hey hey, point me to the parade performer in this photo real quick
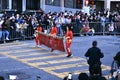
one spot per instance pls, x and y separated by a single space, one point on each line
69 36
53 33
39 29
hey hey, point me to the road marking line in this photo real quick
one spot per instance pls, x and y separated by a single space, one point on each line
17 52
41 58
65 60
65 66
10 46
55 62
16 69
38 64
32 54
3 57
23 51
106 67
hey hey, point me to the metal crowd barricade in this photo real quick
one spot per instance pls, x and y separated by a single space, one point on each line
20 34
106 28
100 28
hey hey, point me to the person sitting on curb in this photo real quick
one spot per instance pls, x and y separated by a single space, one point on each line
87 31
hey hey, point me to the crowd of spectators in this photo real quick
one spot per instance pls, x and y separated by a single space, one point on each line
17 25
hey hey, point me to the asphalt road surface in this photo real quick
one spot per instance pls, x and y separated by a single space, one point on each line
23 59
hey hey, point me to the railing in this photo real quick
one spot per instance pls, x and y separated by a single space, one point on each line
99 29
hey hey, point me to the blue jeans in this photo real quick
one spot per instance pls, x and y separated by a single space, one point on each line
5 34
60 31
0 34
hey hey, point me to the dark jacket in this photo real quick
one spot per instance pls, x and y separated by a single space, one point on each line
94 55
117 58
4 26
97 78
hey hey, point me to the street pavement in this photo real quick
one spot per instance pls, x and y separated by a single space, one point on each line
23 59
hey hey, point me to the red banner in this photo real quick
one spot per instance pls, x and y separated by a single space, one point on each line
55 43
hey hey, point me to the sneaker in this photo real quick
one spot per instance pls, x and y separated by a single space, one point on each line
34 35
4 41
69 55
39 46
7 38
36 46
52 50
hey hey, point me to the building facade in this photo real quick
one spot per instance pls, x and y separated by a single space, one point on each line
57 5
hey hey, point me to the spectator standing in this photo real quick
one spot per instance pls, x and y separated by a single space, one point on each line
69 36
5 31
58 23
0 32
94 54
13 29
102 21
1 22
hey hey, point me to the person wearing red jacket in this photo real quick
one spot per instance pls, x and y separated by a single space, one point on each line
53 33
69 36
39 29
54 30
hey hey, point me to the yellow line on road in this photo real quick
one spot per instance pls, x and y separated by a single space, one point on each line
18 52
50 69
56 62
13 43
105 67
77 72
41 58
87 71
38 64
10 46
66 66
32 54
65 60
